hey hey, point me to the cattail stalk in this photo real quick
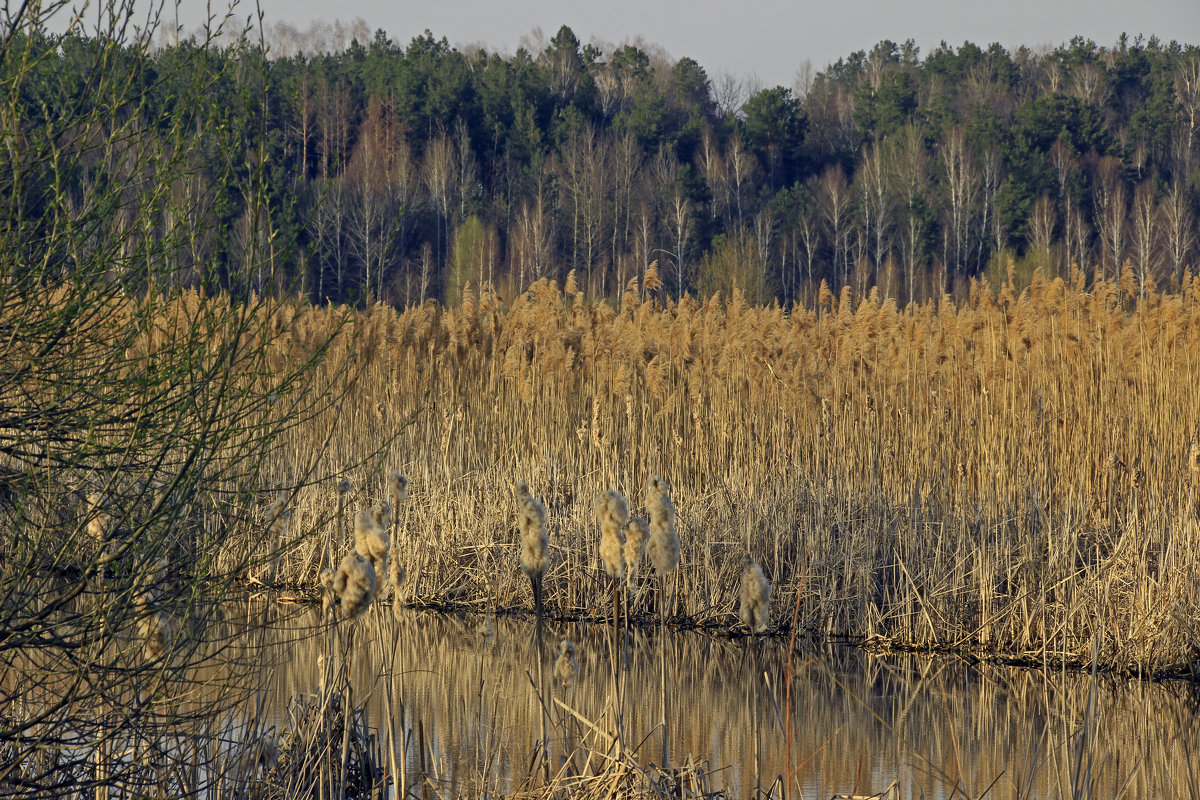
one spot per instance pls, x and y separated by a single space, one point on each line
535 556
613 513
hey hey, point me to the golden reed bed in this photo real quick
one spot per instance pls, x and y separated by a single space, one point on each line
1016 474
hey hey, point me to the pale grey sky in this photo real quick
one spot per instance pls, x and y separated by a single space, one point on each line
768 39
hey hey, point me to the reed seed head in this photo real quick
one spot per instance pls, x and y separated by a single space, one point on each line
566 668
531 522
612 512
664 542
756 598
637 534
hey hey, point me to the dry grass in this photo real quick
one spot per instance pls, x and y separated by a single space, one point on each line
1011 474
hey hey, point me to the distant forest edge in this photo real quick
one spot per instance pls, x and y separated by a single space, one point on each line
370 169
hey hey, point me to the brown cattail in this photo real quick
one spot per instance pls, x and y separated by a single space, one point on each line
566 668
354 584
531 522
637 533
664 542
612 512
370 540
756 597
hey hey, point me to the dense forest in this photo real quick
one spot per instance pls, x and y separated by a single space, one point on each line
355 167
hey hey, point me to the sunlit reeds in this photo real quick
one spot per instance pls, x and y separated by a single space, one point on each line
937 474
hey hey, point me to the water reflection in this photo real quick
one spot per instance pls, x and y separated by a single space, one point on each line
858 722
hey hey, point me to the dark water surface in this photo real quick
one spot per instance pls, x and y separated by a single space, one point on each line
858 722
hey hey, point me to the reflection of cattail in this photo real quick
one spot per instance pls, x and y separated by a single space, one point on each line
531 521
566 668
756 598
637 532
664 542
354 584
613 513
370 540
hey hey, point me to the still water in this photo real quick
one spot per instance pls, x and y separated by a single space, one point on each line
935 726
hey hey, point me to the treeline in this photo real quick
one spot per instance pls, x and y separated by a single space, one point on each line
404 172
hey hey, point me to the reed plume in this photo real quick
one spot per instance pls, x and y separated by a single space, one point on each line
664 542
756 597
637 534
612 512
566 667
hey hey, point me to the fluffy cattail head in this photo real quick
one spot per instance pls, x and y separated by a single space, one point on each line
664 542
531 522
157 631
566 668
278 515
756 597
397 488
381 512
612 512
343 487
370 539
98 519
354 584
637 533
